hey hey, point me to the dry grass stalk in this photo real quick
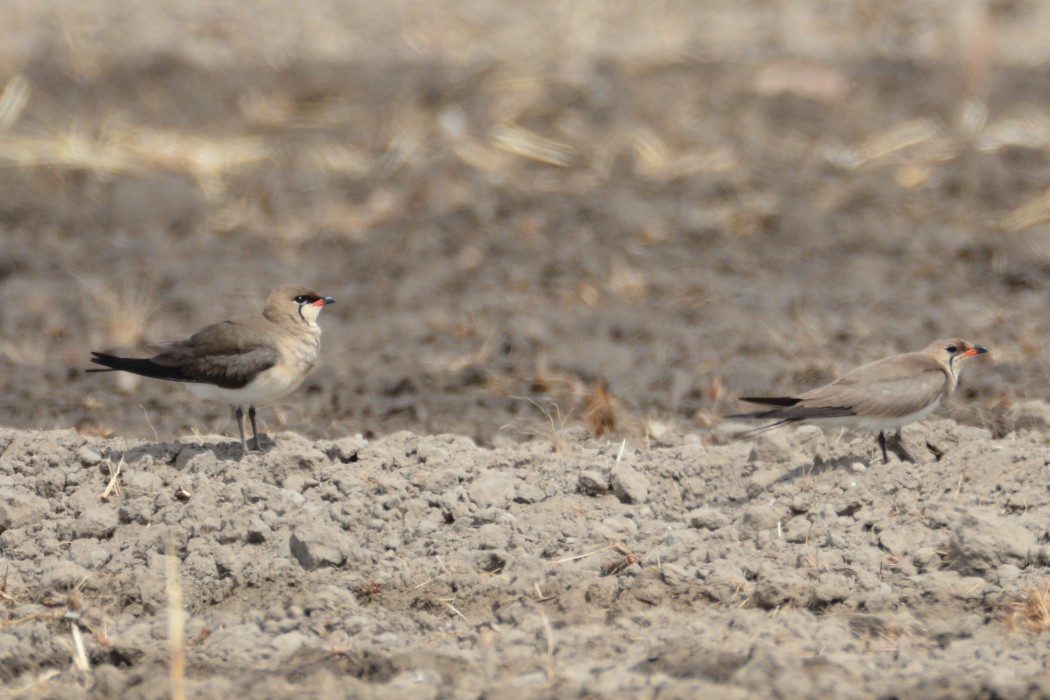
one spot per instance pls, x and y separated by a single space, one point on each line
522 142
80 659
113 487
480 157
487 647
1029 129
1033 612
43 615
917 140
96 429
1032 212
555 424
549 633
369 590
4 595
176 627
901 137
39 686
616 566
655 160
13 100
577 557
145 414
541 597
600 415
452 608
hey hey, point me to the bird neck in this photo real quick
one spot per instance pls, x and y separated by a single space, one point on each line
953 372
295 321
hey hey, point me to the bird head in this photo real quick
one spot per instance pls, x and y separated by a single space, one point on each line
301 303
950 352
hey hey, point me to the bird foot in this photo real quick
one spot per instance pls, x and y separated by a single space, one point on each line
895 444
253 445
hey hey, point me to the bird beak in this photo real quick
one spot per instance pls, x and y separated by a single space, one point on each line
323 301
975 350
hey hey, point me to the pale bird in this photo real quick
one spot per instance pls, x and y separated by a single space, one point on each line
882 395
249 360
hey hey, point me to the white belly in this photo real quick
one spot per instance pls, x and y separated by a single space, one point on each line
270 386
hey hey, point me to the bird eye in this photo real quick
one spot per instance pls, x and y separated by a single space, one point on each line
302 299
952 349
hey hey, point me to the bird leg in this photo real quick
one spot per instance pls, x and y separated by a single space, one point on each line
897 445
238 413
255 431
900 449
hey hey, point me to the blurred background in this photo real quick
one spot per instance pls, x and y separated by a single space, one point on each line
534 216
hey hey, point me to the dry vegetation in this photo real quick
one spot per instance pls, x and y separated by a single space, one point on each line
1032 613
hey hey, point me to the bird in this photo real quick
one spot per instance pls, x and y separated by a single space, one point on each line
248 360
882 395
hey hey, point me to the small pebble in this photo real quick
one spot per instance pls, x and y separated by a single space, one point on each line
89 455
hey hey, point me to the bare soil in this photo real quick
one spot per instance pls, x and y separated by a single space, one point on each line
563 238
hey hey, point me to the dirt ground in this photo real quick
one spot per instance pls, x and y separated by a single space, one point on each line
563 238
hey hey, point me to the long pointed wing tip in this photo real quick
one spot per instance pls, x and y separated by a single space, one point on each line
771 400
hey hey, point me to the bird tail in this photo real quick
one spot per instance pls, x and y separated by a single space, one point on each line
144 367
781 402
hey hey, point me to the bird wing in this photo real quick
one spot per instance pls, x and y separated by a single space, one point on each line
892 388
228 354
771 400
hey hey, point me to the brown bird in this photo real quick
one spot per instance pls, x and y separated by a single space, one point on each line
247 360
882 395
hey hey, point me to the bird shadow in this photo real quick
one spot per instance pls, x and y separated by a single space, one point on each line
180 453
816 467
